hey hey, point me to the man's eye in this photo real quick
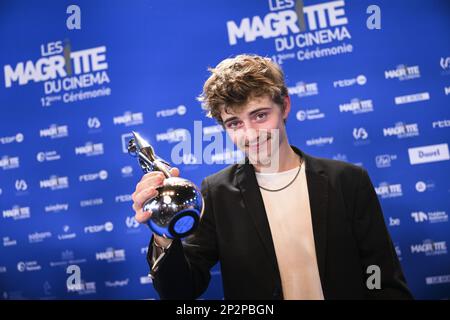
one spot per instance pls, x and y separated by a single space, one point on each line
261 116
232 124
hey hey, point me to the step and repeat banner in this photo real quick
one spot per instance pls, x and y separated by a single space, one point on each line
369 83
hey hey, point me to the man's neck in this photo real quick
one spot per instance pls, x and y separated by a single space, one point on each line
287 159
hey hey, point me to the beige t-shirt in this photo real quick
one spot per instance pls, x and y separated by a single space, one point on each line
289 216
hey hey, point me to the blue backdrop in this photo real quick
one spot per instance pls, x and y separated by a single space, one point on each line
69 99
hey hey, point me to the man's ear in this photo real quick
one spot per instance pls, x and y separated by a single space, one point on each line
287 107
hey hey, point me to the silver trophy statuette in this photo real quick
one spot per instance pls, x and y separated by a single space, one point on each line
178 207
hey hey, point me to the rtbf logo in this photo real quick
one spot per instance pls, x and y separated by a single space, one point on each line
108 227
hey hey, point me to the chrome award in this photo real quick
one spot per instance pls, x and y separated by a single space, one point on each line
178 207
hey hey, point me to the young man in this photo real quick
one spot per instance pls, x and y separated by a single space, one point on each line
283 225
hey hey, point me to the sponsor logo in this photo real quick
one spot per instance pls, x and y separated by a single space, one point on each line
403 72
19 137
430 248
7 162
357 106
180 110
106 227
402 130
385 160
54 132
17 213
360 80
427 154
386 190
129 119
423 96
310 114
47 156
54 183
90 149
430 217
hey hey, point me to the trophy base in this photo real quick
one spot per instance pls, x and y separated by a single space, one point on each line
180 226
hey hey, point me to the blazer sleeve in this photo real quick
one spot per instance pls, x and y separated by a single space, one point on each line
375 244
184 271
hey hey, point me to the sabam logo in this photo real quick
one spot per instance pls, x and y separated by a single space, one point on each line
8 242
427 154
172 135
57 207
129 119
91 202
357 106
430 248
321 141
360 133
111 255
423 96
386 190
275 24
19 137
54 131
90 149
47 156
66 235
402 130
21 185
431 217
17 213
39 236
403 72
123 198
384 160
108 227
7 163
93 123
441 123
310 114
180 110
303 89
102 175
361 80
117 283
50 68
55 183
26 266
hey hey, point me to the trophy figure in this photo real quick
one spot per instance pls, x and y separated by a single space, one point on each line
178 207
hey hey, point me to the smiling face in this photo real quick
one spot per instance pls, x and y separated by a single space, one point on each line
257 128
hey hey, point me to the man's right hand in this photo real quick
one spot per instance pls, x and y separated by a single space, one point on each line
145 190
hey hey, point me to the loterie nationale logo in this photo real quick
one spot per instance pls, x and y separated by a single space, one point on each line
67 76
298 32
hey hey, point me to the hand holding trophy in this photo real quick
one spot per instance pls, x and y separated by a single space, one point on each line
178 207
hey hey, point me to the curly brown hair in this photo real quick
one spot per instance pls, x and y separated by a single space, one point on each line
235 81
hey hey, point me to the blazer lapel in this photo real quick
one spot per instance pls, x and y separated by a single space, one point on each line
246 180
317 182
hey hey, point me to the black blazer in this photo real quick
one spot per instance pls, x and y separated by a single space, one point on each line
349 232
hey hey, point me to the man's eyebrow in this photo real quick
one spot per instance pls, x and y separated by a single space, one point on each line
250 114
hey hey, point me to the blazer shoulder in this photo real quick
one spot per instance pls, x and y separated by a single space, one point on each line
222 177
338 169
